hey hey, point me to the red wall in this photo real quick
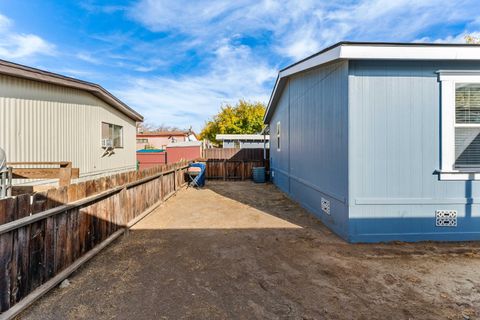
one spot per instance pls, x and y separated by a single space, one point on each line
151 159
175 154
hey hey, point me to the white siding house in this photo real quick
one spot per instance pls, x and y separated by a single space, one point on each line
244 141
49 117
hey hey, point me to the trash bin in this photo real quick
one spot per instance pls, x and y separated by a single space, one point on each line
258 174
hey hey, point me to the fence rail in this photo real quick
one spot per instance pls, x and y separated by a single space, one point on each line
234 154
62 170
233 164
231 169
49 234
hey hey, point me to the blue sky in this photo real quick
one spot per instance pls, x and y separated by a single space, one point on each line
177 62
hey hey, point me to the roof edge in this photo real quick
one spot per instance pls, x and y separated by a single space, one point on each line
30 73
392 44
350 50
240 136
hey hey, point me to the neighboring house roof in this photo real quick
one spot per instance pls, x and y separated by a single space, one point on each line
21 71
163 134
185 144
241 137
186 134
372 51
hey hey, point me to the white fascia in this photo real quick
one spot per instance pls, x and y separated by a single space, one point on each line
379 52
387 52
410 52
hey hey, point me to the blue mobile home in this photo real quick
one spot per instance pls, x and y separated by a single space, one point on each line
381 141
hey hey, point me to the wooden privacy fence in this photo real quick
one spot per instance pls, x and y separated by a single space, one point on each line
231 169
233 154
47 236
233 164
63 171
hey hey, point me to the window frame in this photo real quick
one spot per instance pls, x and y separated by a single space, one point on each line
448 81
111 129
278 135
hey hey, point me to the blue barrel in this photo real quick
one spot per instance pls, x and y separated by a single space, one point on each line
258 174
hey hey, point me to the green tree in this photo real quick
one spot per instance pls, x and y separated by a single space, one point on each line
472 39
243 118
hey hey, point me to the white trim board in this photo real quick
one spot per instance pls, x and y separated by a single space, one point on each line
242 137
448 80
374 51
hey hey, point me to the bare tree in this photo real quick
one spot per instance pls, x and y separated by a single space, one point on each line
150 127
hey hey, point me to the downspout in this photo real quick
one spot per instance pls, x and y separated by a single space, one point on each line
264 146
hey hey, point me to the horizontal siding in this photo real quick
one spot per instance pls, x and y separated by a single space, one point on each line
43 122
394 151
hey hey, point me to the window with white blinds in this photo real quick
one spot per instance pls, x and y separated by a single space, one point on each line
467 125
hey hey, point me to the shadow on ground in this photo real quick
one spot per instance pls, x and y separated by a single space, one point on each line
242 251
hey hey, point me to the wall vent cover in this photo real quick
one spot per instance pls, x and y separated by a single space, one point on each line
446 218
325 205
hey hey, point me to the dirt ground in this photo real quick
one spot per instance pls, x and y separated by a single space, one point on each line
245 251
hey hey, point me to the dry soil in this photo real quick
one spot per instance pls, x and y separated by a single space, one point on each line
245 251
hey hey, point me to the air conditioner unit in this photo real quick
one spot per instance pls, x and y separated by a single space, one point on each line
107 143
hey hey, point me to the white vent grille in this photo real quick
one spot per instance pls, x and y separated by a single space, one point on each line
325 205
446 218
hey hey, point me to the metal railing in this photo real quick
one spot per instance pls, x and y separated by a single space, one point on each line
6 182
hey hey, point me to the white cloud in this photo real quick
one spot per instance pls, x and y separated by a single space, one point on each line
77 73
190 100
18 45
300 43
87 57
301 28
459 38
184 16
24 45
5 23
93 8
295 30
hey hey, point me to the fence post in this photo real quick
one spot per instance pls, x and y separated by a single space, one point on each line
224 169
175 178
9 181
242 169
3 185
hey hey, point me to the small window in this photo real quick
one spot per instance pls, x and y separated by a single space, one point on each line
467 125
278 136
142 140
114 133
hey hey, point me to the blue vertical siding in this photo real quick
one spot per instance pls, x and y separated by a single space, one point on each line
313 159
394 134
366 136
279 159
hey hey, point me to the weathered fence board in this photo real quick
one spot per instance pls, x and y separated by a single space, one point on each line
234 154
231 169
45 233
233 164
